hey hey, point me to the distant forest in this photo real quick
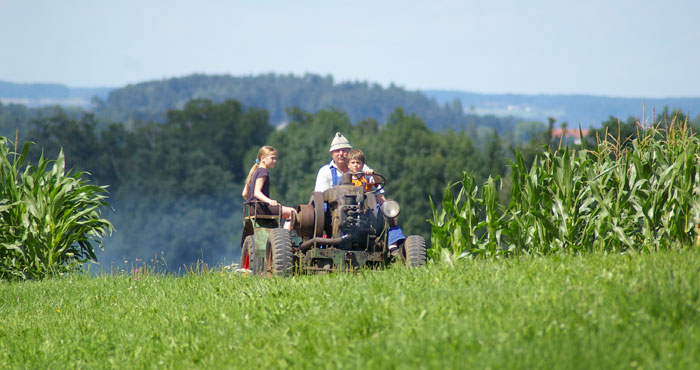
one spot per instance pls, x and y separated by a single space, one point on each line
439 108
175 177
275 93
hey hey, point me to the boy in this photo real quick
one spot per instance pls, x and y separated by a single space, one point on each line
356 161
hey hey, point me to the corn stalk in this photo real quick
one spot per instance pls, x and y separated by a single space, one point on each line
615 198
49 218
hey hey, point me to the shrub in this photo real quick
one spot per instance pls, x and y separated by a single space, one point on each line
49 219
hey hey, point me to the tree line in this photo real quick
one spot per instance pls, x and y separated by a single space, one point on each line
276 92
175 185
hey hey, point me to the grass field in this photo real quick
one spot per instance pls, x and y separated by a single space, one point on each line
593 311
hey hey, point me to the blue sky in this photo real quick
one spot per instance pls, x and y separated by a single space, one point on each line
615 48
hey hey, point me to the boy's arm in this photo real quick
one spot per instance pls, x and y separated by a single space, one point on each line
380 199
370 180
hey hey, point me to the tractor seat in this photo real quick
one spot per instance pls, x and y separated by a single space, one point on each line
252 210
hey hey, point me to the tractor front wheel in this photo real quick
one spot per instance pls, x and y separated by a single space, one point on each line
414 251
279 253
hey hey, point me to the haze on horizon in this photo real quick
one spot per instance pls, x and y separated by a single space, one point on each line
625 48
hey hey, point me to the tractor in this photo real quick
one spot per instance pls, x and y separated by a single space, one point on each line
340 229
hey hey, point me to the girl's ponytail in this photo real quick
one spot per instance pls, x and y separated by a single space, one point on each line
247 179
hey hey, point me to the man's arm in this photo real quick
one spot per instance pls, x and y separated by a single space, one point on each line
324 180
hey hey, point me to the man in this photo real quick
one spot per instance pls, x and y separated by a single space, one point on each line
330 174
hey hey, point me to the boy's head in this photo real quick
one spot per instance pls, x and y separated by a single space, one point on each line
356 160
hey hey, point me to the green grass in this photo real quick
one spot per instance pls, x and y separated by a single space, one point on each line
594 311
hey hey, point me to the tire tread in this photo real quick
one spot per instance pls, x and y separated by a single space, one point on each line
415 251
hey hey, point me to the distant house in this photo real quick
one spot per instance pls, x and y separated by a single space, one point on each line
569 135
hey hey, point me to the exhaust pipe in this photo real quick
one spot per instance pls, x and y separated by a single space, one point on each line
304 246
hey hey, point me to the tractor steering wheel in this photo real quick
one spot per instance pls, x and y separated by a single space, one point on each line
379 185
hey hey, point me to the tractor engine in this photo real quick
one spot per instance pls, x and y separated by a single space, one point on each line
349 212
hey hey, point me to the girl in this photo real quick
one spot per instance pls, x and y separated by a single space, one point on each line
257 186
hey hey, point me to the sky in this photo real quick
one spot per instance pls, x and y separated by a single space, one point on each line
641 48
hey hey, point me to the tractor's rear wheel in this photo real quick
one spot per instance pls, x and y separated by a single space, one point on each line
250 258
414 251
279 253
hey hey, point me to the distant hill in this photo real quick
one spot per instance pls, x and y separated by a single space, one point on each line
275 93
588 110
43 94
440 109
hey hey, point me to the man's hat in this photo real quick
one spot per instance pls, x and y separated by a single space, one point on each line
339 142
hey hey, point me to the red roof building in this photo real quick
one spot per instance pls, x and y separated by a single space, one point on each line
570 135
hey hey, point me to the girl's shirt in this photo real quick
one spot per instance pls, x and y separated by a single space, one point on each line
258 174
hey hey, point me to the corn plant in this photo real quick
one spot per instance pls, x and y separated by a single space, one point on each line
49 218
467 224
615 198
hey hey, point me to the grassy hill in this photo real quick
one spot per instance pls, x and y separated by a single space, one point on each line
593 311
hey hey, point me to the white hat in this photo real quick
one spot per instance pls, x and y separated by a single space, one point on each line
339 142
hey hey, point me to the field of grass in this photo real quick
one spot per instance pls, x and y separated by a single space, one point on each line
593 311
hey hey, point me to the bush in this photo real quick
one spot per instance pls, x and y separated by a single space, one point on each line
49 219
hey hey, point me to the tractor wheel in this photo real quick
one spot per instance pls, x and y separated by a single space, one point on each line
279 253
249 256
414 251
